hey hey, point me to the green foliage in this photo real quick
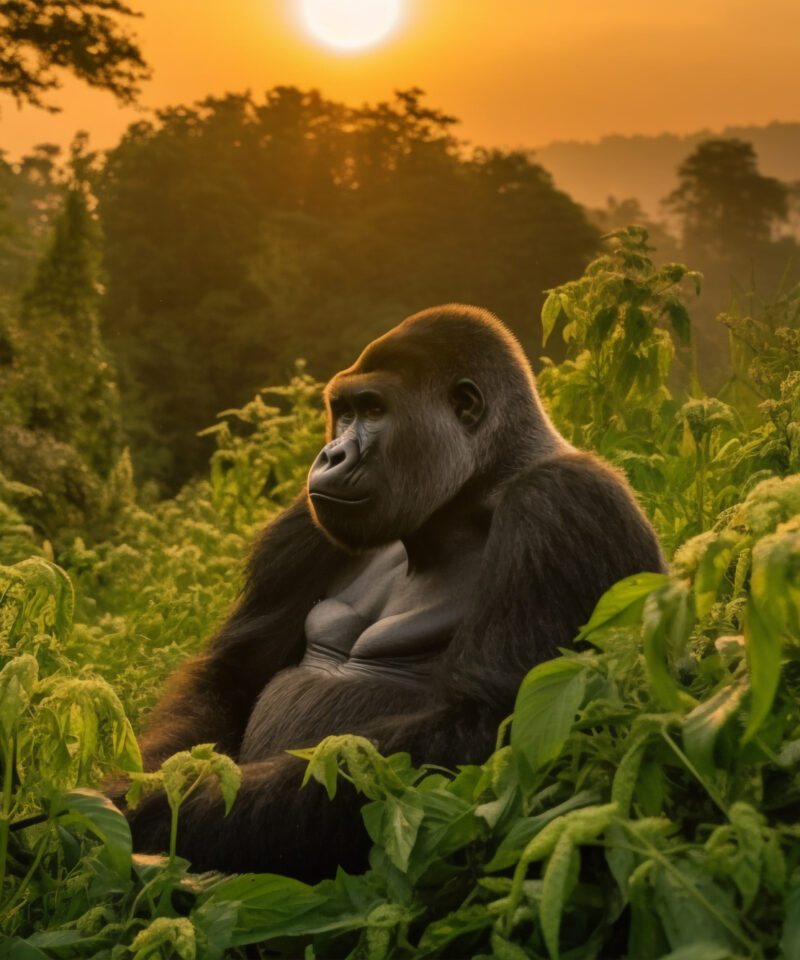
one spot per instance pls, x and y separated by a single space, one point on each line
619 351
688 461
645 803
182 559
61 375
180 775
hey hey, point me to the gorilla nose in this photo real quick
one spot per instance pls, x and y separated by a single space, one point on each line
334 462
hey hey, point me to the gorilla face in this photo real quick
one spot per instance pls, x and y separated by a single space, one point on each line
398 453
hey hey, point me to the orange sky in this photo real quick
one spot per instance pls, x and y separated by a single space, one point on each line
516 72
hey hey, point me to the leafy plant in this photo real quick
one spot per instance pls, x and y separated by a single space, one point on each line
642 799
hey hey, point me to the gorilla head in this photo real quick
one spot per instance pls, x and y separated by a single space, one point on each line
444 400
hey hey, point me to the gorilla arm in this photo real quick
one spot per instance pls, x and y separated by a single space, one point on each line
562 533
209 699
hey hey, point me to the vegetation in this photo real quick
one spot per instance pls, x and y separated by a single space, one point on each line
724 202
643 800
82 36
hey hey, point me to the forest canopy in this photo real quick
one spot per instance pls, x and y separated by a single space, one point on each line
237 235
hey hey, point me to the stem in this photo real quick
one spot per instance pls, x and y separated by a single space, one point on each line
144 892
28 876
501 732
174 808
5 811
695 773
648 850
694 377
702 454
173 832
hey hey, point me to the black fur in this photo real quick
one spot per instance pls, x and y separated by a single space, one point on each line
561 528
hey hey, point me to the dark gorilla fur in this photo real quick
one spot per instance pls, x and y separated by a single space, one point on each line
465 447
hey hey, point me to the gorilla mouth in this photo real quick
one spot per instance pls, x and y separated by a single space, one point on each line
331 499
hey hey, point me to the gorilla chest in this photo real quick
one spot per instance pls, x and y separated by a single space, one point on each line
380 619
371 645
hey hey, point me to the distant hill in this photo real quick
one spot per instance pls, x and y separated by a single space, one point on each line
644 167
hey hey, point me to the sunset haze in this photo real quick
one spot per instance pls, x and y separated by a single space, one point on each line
516 74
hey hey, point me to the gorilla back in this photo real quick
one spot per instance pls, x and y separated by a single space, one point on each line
448 540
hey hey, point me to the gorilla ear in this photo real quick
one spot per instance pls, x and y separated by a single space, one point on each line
468 403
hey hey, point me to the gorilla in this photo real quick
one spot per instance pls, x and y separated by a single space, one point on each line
448 540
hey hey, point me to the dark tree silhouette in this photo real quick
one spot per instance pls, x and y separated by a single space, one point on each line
725 203
81 36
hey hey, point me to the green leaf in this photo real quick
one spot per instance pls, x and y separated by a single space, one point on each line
551 310
15 948
526 828
216 921
667 623
550 696
749 826
182 771
17 681
229 777
703 725
763 648
449 824
711 569
400 825
96 812
165 936
270 906
503 949
454 925
582 826
627 772
601 322
323 764
623 603
695 909
679 318
559 879
790 936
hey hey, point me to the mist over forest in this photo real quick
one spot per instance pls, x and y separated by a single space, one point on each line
644 166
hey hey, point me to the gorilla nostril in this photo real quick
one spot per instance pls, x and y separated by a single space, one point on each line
335 457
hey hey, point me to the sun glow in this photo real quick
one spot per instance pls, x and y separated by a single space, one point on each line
350 24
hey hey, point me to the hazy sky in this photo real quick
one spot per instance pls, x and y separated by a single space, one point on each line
516 72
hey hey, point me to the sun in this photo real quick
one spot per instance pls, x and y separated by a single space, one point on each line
350 24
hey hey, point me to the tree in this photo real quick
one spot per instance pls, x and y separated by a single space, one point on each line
60 374
727 206
81 36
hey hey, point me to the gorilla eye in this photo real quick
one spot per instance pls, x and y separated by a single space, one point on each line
374 411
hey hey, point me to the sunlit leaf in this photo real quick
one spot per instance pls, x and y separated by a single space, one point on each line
551 310
703 725
622 604
667 619
96 812
547 702
763 643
